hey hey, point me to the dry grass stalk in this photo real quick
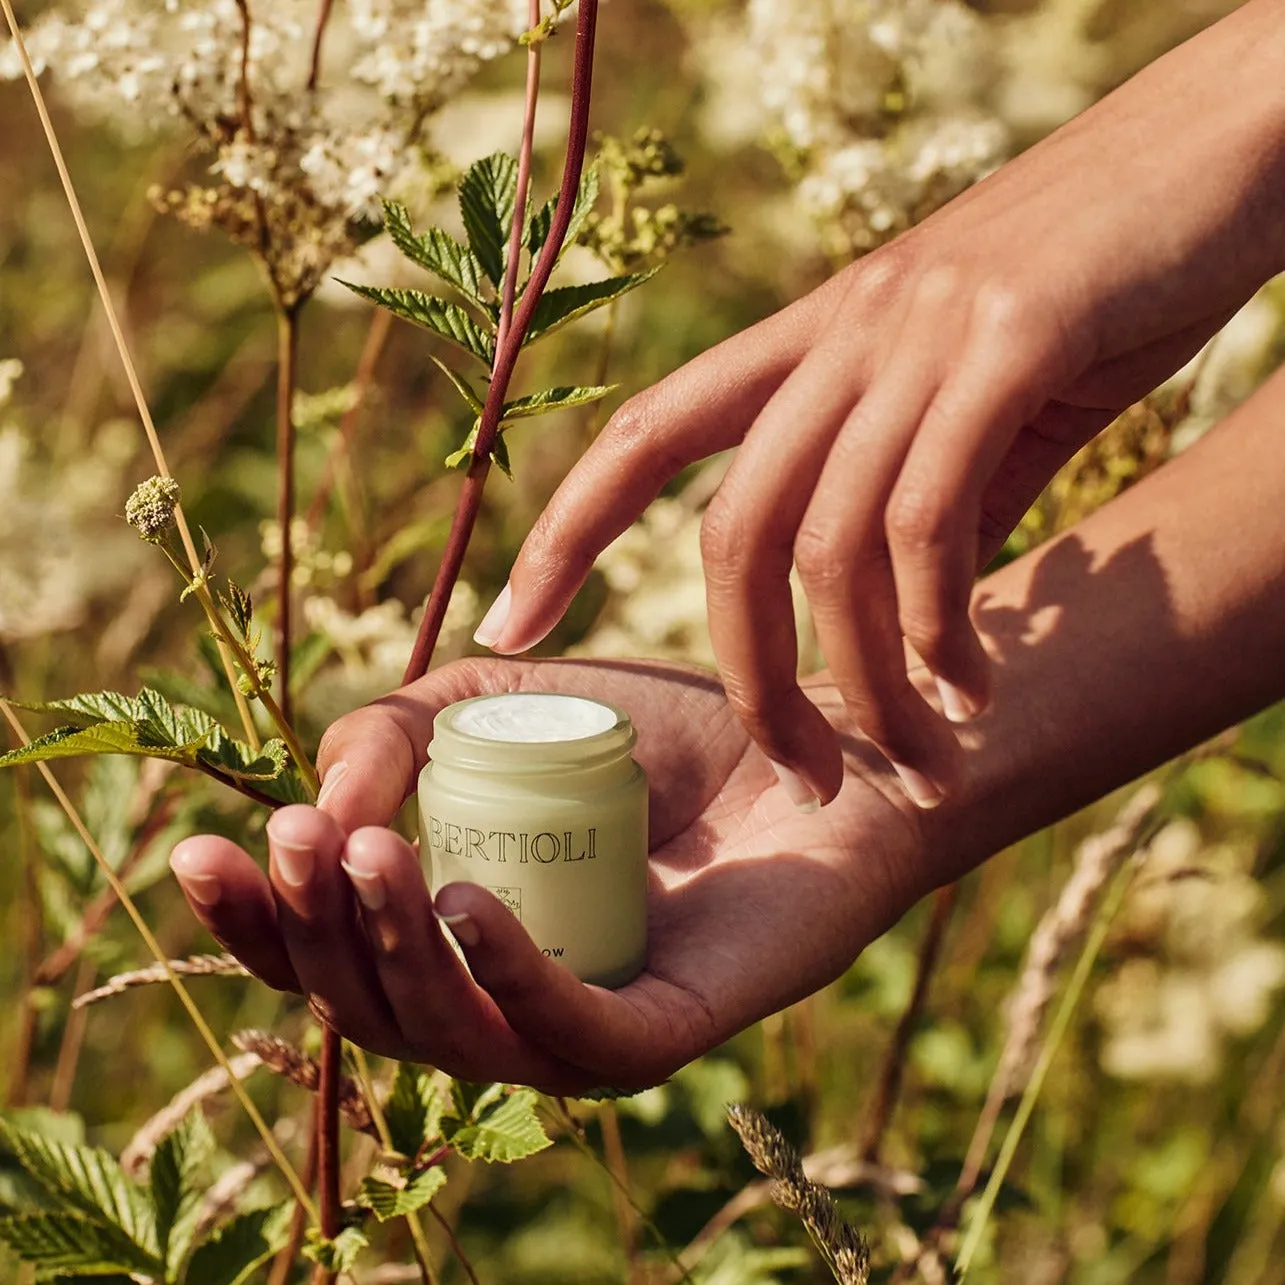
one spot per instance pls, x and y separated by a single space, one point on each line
841 1245
138 1152
193 966
299 1068
1098 858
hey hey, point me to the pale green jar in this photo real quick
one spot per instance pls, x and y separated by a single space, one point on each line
534 796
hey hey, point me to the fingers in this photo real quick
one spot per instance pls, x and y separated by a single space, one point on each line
703 408
321 930
232 898
624 1039
369 760
443 1015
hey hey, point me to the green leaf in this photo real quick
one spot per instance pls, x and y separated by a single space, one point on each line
462 385
238 1247
553 399
147 726
443 318
440 254
339 1254
287 788
67 1244
413 1110
538 225
84 1180
387 1200
177 1164
500 1130
488 192
460 458
240 608
558 308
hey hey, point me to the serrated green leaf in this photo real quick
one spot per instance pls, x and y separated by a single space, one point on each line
488 192
146 726
460 458
560 307
499 1131
413 1111
554 399
287 788
387 1201
339 1254
238 1247
537 228
175 1182
443 318
65 1244
84 1180
440 254
462 385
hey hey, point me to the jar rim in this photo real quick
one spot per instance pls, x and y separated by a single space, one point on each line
453 747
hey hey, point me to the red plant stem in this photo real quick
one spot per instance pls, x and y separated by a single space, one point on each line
510 291
470 501
318 35
328 1130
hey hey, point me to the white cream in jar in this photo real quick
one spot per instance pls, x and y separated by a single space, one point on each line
535 796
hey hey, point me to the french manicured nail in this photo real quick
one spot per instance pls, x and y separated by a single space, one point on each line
492 626
463 928
333 777
796 789
923 793
957 707
204 889
292 861
370 888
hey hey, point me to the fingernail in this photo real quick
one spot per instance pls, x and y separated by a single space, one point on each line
923 793
957 707
333 777
370 888
292 861
464 929
205 890
796 789
492 626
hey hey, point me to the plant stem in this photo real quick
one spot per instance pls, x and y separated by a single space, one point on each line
1048 1051
328 1130
288 1255
118 336
318 35
287 354
613 1151
73 1039
456 1248
33 924
470 500
149 939
423 1254
894 1064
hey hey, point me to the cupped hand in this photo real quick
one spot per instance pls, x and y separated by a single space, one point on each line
893 426
752 905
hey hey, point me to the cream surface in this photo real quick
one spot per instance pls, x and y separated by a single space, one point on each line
534 716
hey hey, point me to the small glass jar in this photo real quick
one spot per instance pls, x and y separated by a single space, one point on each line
534 796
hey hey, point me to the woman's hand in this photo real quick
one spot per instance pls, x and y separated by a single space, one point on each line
753 904
894 425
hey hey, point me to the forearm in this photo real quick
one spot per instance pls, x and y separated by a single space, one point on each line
1146 629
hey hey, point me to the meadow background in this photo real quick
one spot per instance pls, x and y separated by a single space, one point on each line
813 131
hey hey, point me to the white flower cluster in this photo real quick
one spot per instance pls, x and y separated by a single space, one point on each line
301 162
879 105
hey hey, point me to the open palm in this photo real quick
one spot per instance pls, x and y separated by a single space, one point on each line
753 903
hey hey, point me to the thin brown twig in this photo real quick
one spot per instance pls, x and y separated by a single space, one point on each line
470 499
456 1248
73 1038
318 35
245 101
328 1128
613 1151
33 932
889 1090
285 1260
